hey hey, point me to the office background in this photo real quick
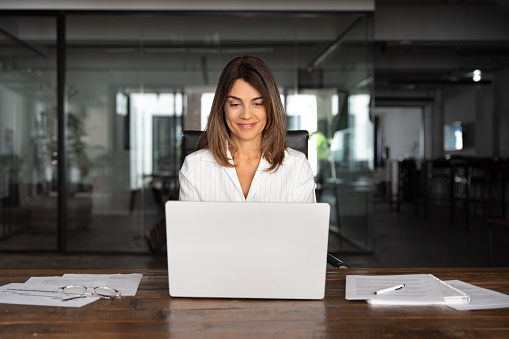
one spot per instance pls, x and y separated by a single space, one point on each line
94 98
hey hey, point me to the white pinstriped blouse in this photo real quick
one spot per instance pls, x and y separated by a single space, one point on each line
203 179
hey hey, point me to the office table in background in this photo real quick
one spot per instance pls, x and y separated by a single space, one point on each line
153 313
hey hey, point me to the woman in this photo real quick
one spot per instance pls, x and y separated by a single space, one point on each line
243 156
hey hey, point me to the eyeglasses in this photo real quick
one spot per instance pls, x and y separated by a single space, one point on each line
79 291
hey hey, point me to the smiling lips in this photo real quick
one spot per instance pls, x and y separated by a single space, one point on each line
247 126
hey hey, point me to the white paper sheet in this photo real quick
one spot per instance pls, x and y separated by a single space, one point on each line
22 294
43 291
420 289
127 284
480 298
57 282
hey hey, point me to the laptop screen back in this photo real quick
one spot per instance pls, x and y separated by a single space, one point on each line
247 250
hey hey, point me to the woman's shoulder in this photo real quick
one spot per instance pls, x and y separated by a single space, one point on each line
292 156
195 160
200 155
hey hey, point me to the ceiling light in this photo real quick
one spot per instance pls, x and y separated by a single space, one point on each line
477 75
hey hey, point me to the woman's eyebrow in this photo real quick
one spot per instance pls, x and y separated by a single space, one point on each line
239 99
233 97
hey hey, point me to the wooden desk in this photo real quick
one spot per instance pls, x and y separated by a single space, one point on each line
152 313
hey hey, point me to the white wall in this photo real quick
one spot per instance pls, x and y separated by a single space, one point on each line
401 131
484 120
473 106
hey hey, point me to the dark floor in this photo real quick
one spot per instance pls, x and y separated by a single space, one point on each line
404 240
401 240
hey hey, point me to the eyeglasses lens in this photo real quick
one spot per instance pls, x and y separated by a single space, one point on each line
75 290
106 292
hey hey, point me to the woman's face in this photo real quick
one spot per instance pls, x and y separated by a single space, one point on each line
245 112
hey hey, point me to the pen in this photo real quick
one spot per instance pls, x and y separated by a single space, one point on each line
389 289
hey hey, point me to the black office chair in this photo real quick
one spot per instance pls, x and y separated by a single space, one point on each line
297 140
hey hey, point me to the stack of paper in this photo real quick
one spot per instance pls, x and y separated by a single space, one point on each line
422 289
481 298
409 289
44 291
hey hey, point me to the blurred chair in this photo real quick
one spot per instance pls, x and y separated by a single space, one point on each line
434 183
477 181
297 140
408 183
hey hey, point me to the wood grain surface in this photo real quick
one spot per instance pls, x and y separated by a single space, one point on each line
152 313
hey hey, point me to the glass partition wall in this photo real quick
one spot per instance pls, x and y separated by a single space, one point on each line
134 82
28 133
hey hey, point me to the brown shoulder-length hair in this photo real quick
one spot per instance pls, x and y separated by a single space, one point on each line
217 137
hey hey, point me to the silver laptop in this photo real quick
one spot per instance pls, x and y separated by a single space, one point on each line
247 250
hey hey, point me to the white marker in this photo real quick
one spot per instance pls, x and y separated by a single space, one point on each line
389 289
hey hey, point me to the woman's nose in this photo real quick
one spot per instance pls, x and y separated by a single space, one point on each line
245 113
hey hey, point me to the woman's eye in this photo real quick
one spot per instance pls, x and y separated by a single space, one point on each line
233 105
258 104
